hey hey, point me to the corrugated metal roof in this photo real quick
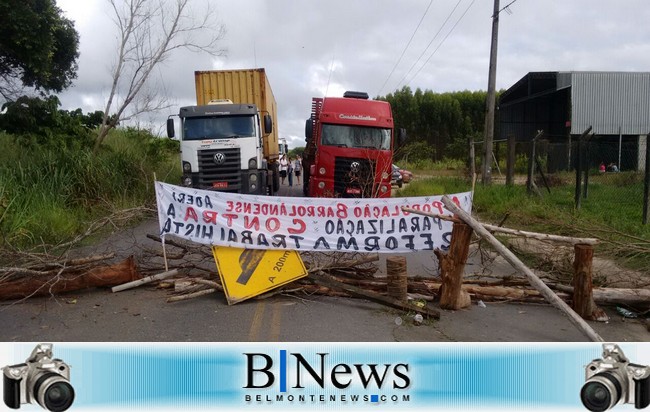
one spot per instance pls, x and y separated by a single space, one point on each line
608 101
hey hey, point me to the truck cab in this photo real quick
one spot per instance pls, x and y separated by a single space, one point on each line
221 147
349 147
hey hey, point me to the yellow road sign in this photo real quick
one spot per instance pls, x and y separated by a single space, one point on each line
249 272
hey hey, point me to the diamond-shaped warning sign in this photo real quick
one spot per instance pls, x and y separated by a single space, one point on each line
249 272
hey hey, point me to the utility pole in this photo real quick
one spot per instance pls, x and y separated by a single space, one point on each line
486 167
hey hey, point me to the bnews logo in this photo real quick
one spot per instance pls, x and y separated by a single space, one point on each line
295 375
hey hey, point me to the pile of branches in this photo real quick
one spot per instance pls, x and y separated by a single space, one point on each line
48 269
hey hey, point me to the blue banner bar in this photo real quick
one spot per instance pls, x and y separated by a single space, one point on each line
337 376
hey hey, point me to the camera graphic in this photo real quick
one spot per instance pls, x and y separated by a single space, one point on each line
40 379
613 380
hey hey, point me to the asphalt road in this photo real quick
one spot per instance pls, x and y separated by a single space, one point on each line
142 314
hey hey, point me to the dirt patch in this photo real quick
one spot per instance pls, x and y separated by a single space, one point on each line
557 260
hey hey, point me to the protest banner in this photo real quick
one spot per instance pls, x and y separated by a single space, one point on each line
305 224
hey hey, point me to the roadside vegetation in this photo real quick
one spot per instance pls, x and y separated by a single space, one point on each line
623 236
50 192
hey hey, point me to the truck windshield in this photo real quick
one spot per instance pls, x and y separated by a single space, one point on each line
356 137
221 127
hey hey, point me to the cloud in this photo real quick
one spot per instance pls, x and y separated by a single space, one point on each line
310 48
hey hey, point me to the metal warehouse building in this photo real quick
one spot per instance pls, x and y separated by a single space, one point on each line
564 104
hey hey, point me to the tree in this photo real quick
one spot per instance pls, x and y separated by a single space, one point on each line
38 47
39 121
148 32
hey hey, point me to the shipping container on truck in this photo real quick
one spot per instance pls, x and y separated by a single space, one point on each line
349 151
229 140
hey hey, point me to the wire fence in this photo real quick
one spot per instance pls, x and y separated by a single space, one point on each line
606 173
598 185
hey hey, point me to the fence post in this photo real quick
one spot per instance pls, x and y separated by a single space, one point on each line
579 166
646 189
510 166
578 173
585 166
530 184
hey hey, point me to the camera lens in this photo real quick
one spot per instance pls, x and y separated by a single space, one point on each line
601 392
596 397
53 392
59 396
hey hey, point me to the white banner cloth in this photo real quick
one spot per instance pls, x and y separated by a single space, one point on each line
306 224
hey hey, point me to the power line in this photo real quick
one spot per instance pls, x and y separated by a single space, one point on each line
405 48
506 8
443 41
329 77
429 45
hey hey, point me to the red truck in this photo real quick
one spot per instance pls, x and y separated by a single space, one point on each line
349 151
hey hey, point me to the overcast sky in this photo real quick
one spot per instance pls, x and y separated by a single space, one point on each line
316 48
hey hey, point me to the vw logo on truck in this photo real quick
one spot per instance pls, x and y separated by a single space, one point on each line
219 158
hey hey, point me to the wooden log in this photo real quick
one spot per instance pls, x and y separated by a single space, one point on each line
542 236
583 301
452 267
397 281
66 282
190 295
322 279
211 283
616 296
514 232
144 281
536 282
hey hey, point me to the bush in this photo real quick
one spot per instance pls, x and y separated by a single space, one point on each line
47 193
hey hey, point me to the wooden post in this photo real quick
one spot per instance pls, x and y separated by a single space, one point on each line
646 184
512 158
397 284
583 300
535 281
452 267
578 192
530 183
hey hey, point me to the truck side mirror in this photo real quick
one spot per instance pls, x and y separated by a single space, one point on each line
401 135
309 129
170 128
268 124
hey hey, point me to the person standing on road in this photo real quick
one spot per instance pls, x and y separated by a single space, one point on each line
283 167
290 172
297 167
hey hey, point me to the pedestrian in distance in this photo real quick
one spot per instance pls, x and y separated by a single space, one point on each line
290 171
284 165
297 168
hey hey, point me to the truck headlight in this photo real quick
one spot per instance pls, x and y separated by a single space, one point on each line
252 177
384 176
253 187
384 189
187 167
321 170
187 181
321 185
252 163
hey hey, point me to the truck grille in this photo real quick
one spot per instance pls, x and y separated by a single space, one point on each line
353 177
228 171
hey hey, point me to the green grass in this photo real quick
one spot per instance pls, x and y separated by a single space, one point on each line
51 194
612 211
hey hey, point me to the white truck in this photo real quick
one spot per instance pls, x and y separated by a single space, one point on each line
229 139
